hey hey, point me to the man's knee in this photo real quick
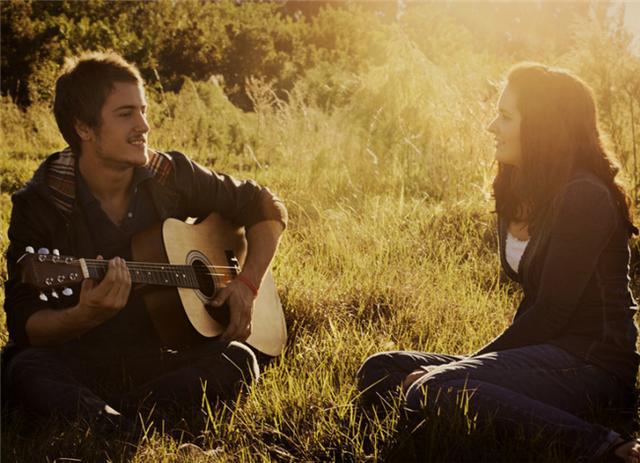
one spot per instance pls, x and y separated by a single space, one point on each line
32 363
41 380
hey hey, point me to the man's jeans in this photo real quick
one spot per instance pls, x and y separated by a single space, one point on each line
538 389
72 383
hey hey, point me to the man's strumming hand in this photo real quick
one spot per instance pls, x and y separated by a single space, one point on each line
262 242
239 296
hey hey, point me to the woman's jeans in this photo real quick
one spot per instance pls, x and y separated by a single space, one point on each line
536 389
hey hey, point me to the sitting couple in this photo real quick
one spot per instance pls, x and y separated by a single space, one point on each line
564 226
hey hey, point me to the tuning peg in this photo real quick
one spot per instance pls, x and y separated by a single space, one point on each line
43 297
29 249
55 294
56 252
67 291
44 251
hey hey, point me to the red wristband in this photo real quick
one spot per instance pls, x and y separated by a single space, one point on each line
248 284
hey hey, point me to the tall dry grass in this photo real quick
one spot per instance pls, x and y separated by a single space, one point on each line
391 243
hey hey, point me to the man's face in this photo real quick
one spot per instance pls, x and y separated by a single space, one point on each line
121 139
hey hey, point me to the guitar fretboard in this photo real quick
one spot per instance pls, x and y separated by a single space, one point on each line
183 276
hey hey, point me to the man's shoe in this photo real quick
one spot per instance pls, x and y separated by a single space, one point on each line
110 423
189 449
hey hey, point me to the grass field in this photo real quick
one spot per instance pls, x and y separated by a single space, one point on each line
391 244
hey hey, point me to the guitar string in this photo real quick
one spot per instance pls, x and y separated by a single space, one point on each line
99 263
133 262
139 265
196 271
172 273
95 264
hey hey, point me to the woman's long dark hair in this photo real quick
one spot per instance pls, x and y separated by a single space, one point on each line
558 134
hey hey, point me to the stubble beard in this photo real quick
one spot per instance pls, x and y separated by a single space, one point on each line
118 164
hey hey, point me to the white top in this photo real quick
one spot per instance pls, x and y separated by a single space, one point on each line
514 250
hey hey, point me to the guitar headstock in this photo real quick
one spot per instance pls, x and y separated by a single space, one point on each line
49 271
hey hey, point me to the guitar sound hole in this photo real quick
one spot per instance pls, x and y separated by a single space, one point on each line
205 280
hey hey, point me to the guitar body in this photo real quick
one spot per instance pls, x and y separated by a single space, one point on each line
181 315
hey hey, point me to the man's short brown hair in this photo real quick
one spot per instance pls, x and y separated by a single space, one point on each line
83 87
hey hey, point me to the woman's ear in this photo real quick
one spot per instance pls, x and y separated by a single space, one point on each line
83 130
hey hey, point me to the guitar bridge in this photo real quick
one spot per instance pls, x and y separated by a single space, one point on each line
233 262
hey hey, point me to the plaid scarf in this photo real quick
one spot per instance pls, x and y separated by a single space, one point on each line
60 176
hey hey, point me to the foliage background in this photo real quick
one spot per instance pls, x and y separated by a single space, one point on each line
369 120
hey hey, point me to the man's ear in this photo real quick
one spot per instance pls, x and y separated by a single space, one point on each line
83 130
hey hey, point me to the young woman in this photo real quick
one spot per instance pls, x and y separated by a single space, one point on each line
564 226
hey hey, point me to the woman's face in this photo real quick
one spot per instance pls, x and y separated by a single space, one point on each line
506 129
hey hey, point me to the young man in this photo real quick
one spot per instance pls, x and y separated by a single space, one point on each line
95 353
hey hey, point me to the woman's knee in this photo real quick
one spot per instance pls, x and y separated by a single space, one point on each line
418 393
374 369
433 392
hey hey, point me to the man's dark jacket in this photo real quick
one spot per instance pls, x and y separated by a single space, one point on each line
47 214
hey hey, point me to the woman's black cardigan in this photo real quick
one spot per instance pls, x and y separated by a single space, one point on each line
575 278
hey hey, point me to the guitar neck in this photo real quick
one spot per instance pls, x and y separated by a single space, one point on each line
183 276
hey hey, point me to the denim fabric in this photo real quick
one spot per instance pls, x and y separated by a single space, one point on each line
72 383
540 389
574 274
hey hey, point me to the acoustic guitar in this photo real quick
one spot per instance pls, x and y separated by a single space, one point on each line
179 268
